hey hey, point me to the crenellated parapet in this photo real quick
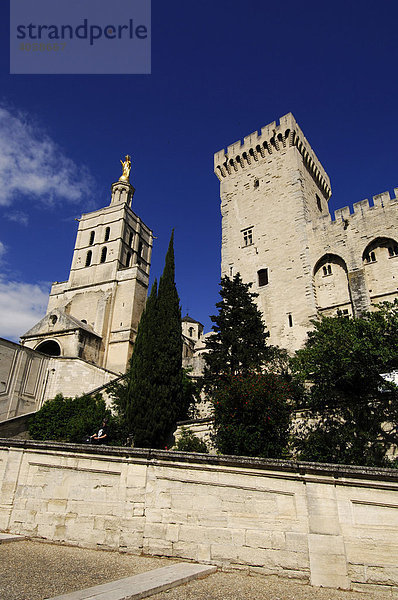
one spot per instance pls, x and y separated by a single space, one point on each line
361 208
272 139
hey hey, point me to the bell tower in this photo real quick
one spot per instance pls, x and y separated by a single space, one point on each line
94 315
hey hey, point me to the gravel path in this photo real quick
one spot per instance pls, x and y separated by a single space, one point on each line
240 586
35 570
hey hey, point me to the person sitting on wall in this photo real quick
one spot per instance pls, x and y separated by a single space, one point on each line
101 437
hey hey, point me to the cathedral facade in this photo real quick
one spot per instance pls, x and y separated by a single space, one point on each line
94 315
277 232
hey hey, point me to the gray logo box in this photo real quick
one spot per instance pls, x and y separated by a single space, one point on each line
80 36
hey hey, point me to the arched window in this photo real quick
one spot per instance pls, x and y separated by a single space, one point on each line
318 203
331 283
50 347
381 269
370 257
88 258
327 270
190 330
103 254
107 234
128 259
379 249
139 253
131 236
92 236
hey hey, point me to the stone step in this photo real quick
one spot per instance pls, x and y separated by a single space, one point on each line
143 585
5 538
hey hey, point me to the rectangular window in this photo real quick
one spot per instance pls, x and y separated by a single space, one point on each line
248 237
262 275
290 319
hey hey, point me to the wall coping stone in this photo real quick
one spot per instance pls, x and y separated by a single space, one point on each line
195 421
248 463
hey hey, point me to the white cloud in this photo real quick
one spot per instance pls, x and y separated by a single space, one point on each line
22 305
18 217
2 250
32 164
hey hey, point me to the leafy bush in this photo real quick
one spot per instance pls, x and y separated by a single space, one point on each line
73 419
189 442
252 415
352 405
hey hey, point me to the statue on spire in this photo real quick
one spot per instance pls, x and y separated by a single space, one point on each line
126 166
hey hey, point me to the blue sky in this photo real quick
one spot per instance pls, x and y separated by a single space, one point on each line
220 70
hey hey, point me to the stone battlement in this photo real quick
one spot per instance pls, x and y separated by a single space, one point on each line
273 138
383 200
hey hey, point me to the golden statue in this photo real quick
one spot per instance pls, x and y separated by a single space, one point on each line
126 165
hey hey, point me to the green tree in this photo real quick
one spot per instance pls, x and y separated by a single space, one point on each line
169 372
189 442
151 396
353 409
250 406
238 345
252 415
191 389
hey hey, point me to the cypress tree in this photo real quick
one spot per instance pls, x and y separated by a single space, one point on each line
141 382
168 407
152 394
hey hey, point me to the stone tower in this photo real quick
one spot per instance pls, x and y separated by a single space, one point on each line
95 314
271 186
278 234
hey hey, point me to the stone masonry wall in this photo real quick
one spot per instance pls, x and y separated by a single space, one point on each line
28 378
333 526
23 374
277 232
74 377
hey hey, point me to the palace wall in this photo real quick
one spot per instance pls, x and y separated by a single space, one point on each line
28 378
362 248
277 232
333 526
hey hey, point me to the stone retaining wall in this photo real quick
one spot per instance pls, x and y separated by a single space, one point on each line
331 525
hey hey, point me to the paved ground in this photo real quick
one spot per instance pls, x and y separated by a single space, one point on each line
34 571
